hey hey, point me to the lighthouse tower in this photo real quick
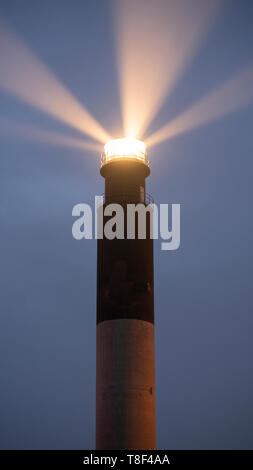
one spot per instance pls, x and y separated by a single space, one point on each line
125 357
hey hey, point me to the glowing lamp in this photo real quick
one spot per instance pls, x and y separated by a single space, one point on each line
127 148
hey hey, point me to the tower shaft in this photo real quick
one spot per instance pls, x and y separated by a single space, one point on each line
125 365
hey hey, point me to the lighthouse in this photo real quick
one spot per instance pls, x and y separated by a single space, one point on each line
125 348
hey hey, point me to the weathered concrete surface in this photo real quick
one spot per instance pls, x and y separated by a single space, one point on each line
125 407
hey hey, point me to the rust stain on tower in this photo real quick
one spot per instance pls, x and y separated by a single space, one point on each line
125 369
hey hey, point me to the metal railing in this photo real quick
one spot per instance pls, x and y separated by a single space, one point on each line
129 197
105 159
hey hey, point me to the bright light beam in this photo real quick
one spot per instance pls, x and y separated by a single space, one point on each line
230 96
9 128
23 75
156 40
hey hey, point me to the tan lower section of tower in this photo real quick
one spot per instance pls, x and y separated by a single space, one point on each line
125 395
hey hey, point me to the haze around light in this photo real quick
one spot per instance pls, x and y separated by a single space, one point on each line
154 47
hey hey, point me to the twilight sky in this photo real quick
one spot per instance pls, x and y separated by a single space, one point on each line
203 291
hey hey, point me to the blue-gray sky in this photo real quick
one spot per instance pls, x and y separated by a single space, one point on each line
203 291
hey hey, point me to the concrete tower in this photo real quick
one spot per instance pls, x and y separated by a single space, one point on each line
125 375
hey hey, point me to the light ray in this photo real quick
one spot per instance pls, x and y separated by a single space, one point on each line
9 128
230 96
23 75
155 42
